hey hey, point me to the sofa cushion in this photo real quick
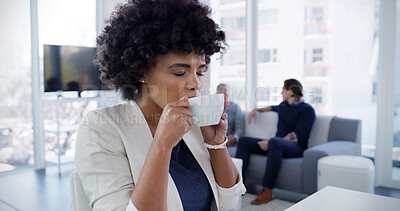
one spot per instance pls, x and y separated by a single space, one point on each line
290 176
345 129
265 125
320 130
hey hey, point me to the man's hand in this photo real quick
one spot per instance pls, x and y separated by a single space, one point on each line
263 145
231 140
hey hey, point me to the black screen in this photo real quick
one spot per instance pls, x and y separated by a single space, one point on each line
70 68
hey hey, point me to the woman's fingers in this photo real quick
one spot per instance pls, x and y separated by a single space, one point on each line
177 114
184 111
183 102
224 119
180 106
224 116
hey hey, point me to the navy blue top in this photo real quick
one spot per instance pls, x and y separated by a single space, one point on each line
190 180
295 118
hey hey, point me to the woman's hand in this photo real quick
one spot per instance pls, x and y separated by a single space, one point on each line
175 121
215 134
252 114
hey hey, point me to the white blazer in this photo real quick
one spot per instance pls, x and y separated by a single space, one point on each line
111 148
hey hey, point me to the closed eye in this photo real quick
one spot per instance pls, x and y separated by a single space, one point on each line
202 70
179 74
204 67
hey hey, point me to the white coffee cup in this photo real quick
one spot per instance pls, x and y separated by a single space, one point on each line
207 109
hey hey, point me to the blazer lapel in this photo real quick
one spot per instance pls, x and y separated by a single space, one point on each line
194 140
139 139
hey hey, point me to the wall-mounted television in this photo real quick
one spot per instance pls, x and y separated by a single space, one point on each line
70 68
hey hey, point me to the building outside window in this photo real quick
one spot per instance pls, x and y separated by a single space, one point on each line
317 14
317 55
314 95
268 56
268 17
233 23
229 1
233 58
315 20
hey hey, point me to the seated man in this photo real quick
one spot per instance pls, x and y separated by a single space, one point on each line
294 126
235 117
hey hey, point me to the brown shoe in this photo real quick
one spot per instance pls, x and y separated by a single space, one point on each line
264 197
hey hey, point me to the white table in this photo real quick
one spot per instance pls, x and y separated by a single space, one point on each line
332 198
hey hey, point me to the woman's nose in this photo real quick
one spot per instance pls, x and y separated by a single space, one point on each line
193 83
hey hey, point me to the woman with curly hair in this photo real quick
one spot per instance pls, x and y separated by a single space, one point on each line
146 154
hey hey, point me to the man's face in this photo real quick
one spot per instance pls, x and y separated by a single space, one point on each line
174 76
223 91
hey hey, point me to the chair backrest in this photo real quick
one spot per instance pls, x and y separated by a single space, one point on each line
78 197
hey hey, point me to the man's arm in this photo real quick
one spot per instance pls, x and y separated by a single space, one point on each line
269 108
253 113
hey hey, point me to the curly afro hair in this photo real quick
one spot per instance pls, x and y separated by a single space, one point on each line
142 29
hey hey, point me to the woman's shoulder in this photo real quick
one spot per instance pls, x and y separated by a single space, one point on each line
307 107
108 115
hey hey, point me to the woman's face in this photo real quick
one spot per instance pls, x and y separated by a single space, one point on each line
286 94
174 76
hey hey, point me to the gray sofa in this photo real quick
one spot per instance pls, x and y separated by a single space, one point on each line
330 135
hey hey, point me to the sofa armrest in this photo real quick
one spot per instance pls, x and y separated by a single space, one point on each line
312 155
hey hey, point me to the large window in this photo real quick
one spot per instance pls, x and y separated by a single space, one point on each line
396 131
396 119
230 68
333 54
58 25
16 134
279 57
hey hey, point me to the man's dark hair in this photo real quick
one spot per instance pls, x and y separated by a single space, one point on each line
295 86
140 30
